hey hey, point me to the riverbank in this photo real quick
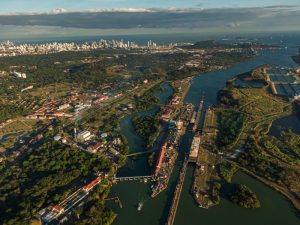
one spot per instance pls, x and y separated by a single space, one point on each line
250 145
292 197
209 83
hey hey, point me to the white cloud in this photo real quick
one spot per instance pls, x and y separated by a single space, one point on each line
234 25
58 11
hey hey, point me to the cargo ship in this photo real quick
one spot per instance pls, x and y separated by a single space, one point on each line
198 115
169 151
193 120
164 167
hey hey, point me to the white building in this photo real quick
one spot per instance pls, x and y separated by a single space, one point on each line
84 135
19 75
63 107
57 137
195 148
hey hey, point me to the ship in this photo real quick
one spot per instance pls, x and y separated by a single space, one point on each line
198 115
140 206
193 118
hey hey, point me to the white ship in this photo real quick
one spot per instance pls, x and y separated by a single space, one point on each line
140 206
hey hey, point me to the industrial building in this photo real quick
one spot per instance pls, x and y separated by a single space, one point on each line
195 148
84 136
53 212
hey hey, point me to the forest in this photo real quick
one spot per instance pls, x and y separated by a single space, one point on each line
245 197
147 101
227 170
146 127
44 175
230 124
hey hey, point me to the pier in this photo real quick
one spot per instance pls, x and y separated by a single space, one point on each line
178 190
134 178
199 113
117 200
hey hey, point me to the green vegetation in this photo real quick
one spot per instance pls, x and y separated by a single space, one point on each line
94 211
227 97
285 147
245 197
216 187
146 127
147 101
227 170
262 164
68 67
111 123
11 111
42 177
55 75
97 214
244 121
230 124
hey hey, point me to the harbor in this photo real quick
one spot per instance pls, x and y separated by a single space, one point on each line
195 121
169 151
156 210
178 190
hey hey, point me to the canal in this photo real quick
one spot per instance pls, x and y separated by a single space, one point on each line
275 210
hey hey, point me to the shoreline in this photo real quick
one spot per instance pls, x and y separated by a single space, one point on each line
286 193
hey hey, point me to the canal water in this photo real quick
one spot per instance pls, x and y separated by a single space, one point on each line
136 143
287 123
275 210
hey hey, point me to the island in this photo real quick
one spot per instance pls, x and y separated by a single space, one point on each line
245 197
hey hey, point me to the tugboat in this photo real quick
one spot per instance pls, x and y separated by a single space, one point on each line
140 206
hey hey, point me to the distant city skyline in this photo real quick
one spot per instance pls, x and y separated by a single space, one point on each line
37 6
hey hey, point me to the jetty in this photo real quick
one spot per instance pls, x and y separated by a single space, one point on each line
177 193
198 116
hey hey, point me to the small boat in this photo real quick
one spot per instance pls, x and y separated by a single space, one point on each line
140 206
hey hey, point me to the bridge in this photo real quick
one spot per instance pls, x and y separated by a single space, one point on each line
140 153
177 193
134 178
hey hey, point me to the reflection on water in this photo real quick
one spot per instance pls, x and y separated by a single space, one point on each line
286 123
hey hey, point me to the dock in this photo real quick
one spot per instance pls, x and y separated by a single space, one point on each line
205 160
133 178
117 200
199 113
177 194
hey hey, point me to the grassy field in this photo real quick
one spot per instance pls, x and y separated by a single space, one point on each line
17 126
275 159
261 109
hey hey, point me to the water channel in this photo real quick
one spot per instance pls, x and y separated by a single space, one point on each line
275 210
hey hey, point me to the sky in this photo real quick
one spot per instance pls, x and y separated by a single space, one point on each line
29 6
56 18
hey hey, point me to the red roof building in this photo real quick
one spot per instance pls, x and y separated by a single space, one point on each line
160 159
89 186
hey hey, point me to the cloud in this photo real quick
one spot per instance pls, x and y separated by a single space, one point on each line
58 11
165 18
234 25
